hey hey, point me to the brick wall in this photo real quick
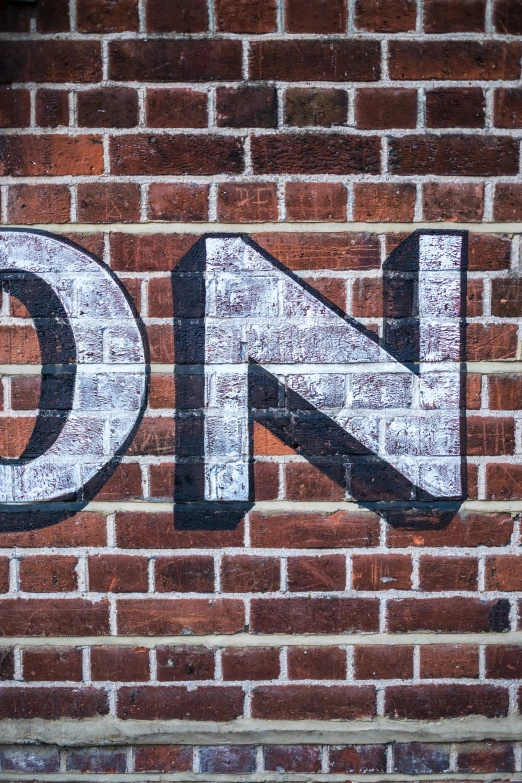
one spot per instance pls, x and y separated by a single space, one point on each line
307 634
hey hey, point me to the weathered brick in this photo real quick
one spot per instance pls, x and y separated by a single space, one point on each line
50 61
448 16
163 758
384 202
246 16
52 108
455 107
118 573
108 107
247 202
315 201
314 530
449 615
119 664
108 760
449 661
106 16
507 204
383 662
452 155
292 758
487 342
140 154
188 574
503 572
248 574
415 757
157 531
505 392
176 108
508 107
178 203
85 528
321 574
507 17
54 617
250 663
231 759
385 16
184 663
39 759
323 251
48 574
377 108
51 155
485 757
503 482
39 204
357 758
49 664
15 108
183 16
313 702
503 662
433 702
112 202
316 663
302 60
454 60
163 616
53 703
178 703
175 60
326 615
453 201
246 107
381 572
316 107
448 573
323 16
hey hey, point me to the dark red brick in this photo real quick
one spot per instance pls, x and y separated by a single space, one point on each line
108 107
377 108
177 703
48 574
453 155
163 758
119 664
50 60
51 155
107 16
316 663
246 16
357 758
177 60
153 617
383 662
381 572
39 204
53 617
447 615
314 530
325 615
52 703
250 663
191 573
433 702
48 664
317 107
508 108
385 16
507 205
507 17
14 108
322 16
313 702
485 757
448 573
179 154
248 574
249 202
384 202
246 107
454 16
503 482
316 573
182 16
453 201
183 664
315 201
167 108
446 59
292 758
178 203
455 107
118 573
503 662
449 661
111 202
108 760
303 60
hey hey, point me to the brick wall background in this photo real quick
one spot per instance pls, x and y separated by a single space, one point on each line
312 637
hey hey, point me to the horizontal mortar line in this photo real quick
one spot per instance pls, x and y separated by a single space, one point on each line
269 640
255 777
256 228
486 367
112 731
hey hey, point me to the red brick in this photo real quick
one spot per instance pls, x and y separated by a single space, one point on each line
108 107
48 574
51 61
306 482
156 530
474 300
461 60
246 107
485 757
92 242
453 155
314 530
466 530
302 60
447 615
25 392
324 615
323 251
504 662
52 108
178 60
311 154
487 342
357 758
377 108
124 484
56 155
119 664
432 702
316 573
507 204
247 574
85 528
453 201
176 108
487 252
246 16
161 344
449 661
178 203
507 17
454 16
316 201
163 758
19 345
182 16
381 572
504 572
331 288
490 435
505 392
52 16
39 204
179 154
14 435
250 663
292 758
448 573
473 391
503 482
48 664
166 616
316 663
383 662
176 664
14 108
52 703
53 617
384 202
323 16
247 202
108 760
313 702
107 16
161 391
455 107
118 574
227 758
385 16
177 703
108 202
155 436
317 107
188 574
266 480
508 108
